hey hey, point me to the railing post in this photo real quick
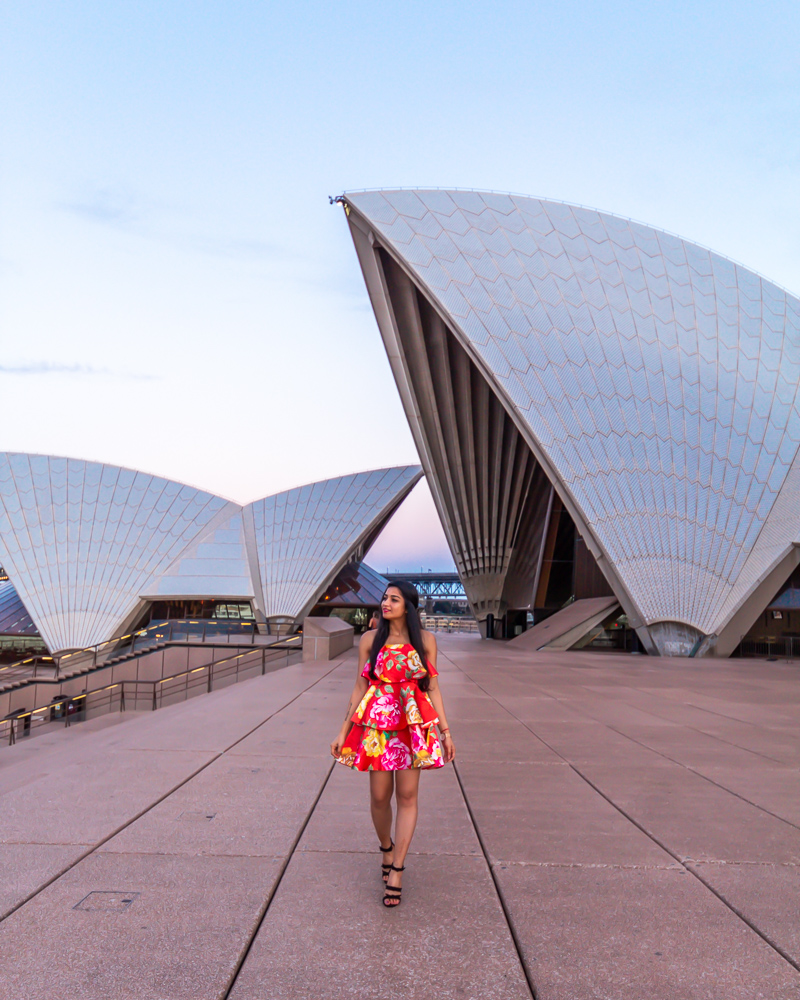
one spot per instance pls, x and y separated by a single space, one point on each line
122 696
263 661
203 633
155 702
210 677
12 736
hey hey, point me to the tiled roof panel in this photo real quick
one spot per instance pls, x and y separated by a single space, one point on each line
80 540
701 355
305 535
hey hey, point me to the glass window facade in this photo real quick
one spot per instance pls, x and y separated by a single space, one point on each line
209 610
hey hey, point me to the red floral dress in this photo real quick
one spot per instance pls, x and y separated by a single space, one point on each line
393 727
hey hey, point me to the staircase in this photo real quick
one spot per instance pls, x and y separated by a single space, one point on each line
114 651
155 670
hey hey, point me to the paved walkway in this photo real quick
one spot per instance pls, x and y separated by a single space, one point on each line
616 827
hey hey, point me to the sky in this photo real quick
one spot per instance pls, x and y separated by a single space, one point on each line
176 293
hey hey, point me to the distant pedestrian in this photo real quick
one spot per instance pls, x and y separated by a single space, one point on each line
374 620
389 729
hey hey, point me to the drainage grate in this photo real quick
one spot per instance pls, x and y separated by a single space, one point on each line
106 899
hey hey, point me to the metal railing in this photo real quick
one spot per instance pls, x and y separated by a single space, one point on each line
785 647
137 695
446 623
132 644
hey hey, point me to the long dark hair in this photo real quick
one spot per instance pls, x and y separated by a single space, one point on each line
411 597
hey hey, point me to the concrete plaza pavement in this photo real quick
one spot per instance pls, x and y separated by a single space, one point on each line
615 827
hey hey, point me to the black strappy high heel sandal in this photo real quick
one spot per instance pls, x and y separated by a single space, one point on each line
395 889
385 869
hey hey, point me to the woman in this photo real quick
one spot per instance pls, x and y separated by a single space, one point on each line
389 726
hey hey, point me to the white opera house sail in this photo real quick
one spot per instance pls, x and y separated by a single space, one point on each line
87 546
554 359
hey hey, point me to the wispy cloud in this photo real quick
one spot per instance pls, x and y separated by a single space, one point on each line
110 208
49 368
122 210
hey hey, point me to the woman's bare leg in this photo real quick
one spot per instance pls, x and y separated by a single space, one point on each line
381 786
406 791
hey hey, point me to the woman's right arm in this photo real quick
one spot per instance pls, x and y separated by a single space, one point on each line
359 690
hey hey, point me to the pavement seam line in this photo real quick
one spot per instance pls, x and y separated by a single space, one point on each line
672 760
694 729
498 889
664 718
697 729
704 708
687 867
493 875
660 753
158 801
705 777
649 711
264 909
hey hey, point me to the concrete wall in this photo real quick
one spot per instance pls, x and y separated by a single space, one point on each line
151 666
325 638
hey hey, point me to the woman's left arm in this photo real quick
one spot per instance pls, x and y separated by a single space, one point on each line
435 694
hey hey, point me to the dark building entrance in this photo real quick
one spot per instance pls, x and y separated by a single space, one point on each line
353 596
776 631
